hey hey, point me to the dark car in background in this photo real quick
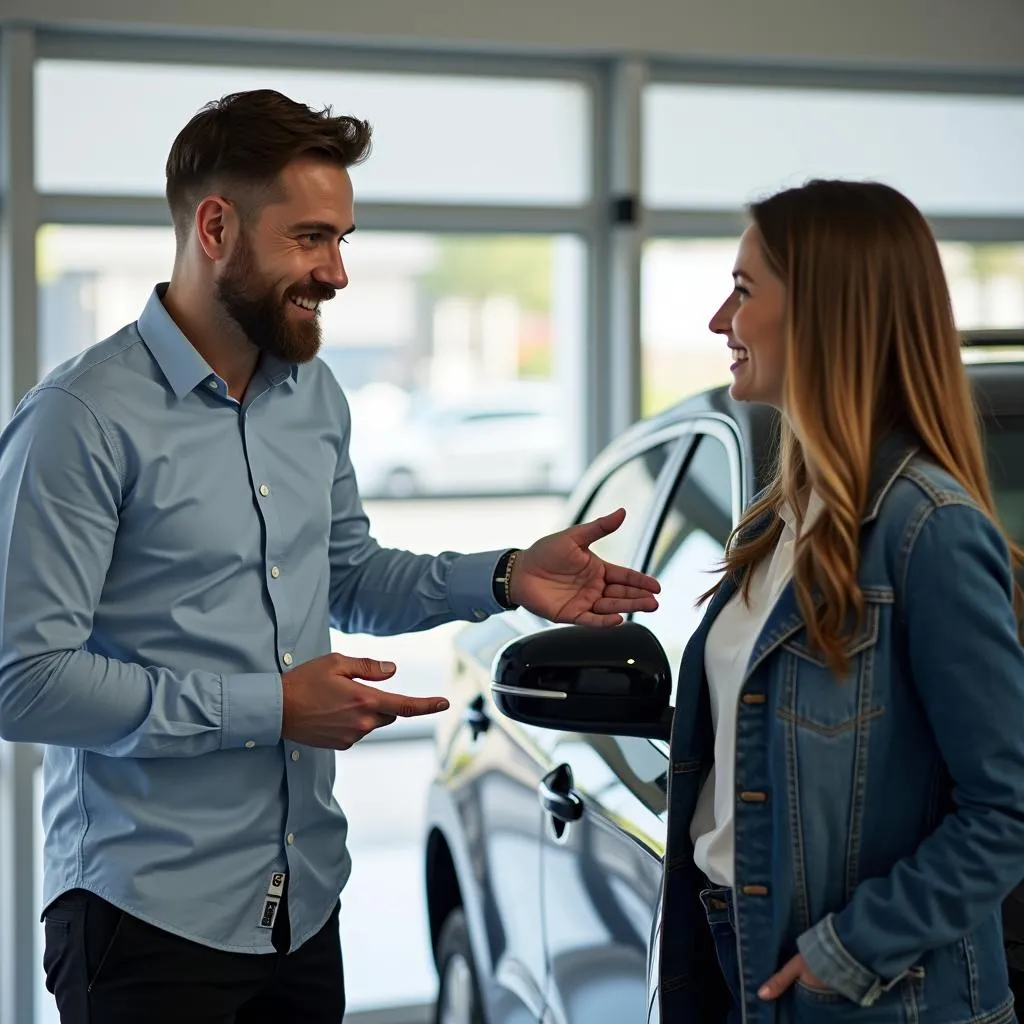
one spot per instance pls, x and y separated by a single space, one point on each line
544 845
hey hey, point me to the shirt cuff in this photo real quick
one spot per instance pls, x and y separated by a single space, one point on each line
251 708
471 586
833 964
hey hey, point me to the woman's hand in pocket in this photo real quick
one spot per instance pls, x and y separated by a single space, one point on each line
795 970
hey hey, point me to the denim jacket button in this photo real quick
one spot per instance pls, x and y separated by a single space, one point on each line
753 797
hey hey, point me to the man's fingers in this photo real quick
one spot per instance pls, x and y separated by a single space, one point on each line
587 533
403 706
779 983
619 575
628 593
625 606
365 668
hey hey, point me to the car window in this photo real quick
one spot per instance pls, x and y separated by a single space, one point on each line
630 486
1005 441
689 545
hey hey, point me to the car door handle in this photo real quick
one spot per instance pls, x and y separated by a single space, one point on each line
557 796
475 718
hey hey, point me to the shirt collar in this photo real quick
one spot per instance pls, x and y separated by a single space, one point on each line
179 361
815 506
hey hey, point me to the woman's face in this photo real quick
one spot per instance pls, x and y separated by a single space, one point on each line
752 320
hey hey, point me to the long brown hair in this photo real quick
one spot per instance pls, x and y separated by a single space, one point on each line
871 347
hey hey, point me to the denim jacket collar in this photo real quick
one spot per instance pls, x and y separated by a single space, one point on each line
893 454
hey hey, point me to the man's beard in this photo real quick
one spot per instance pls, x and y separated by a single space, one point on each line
263 316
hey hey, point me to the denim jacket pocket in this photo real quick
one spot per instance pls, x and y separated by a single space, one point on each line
902 1004
866 635
813 698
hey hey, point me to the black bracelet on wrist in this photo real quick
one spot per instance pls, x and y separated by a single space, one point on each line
502 578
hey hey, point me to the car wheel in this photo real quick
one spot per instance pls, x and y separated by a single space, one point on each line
458 999
400 483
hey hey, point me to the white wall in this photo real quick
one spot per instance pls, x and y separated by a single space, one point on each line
972 35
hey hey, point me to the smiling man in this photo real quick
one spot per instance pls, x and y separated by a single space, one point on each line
179 527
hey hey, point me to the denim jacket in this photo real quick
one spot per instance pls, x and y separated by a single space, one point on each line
879 818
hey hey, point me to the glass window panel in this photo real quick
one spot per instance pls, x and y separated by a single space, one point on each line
459 355
718 147
986 283
1005 446
436 138
683 282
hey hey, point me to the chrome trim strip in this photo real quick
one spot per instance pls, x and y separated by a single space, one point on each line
524 691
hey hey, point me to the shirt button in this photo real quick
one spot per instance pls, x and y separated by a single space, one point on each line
264 490
249 744
287 658
275 572
295 755
479 615
291 838
212 385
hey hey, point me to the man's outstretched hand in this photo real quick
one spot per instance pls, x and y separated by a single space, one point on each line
325 705
561 579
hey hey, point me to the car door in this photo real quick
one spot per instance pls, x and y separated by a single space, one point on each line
496 766
604 837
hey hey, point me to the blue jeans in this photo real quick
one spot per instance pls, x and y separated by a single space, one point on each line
722 921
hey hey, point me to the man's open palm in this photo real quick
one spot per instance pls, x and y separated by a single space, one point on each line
561 579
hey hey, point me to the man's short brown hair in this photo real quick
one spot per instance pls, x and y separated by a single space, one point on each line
241 143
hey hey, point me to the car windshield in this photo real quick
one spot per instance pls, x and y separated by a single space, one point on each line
1005 439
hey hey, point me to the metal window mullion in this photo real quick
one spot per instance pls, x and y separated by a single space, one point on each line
18 313
19 920
626 232
18 371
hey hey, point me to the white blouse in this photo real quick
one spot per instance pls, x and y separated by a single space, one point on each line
730 643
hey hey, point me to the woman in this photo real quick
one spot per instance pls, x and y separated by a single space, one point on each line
847 796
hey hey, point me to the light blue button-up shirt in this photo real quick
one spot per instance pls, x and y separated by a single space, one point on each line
165 554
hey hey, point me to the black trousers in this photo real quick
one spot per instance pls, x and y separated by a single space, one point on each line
104 966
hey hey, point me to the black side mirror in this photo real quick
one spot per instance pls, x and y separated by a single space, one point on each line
613 681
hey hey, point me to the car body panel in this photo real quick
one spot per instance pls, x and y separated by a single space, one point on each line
483 804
